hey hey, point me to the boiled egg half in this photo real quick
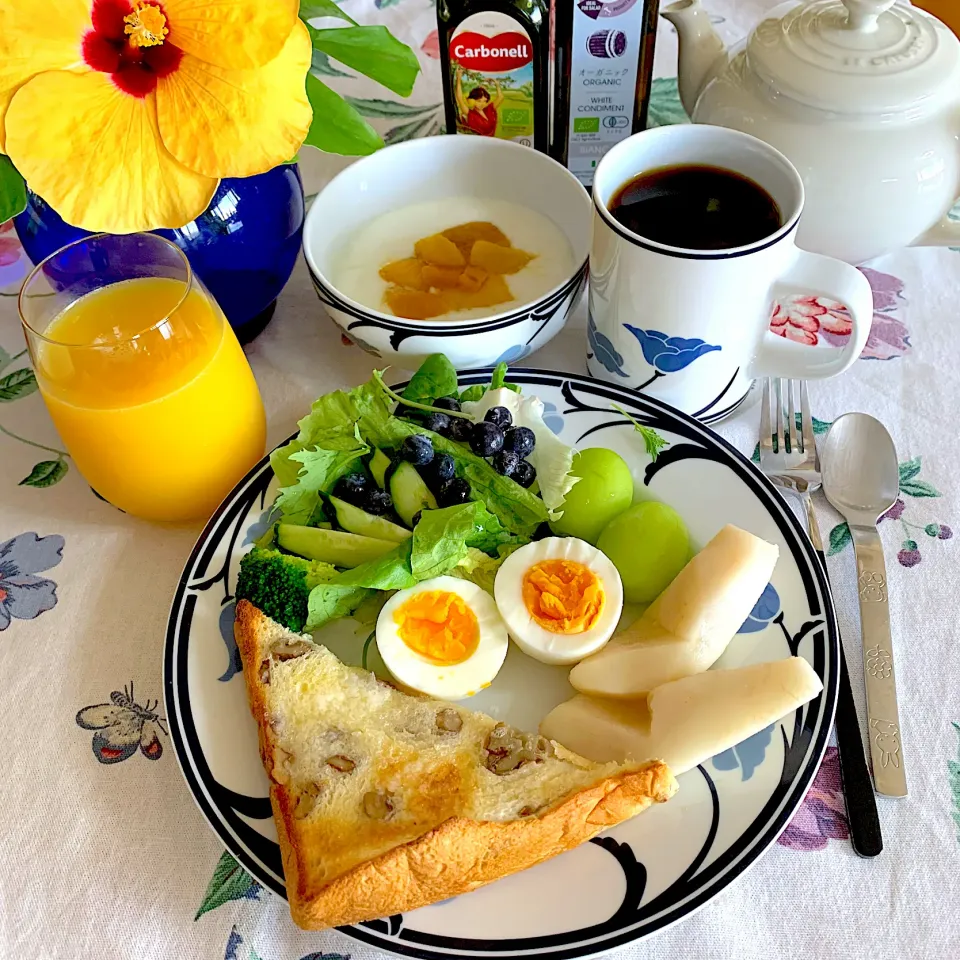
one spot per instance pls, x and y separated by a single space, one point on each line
560 597
444 637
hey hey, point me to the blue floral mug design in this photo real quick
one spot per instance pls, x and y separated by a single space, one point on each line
690 325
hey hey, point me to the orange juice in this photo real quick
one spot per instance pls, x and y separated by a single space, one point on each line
153 397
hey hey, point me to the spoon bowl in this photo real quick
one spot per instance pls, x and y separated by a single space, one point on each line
861 477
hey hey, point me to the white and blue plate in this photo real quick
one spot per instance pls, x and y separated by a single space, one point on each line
635 879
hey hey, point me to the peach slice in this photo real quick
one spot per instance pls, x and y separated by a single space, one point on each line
439 251
496 259
415 304
404 273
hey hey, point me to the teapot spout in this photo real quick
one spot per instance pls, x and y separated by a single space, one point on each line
700 47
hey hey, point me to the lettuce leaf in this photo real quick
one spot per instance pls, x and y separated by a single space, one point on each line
345 592
320 469
443 537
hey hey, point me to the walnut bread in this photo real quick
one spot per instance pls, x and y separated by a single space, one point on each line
385 802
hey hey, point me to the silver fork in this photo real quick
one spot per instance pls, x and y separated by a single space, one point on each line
790 460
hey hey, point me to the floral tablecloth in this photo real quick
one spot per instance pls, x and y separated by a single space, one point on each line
104 854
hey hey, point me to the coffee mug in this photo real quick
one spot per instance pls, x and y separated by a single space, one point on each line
691 327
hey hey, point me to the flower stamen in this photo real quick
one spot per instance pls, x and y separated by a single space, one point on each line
146 26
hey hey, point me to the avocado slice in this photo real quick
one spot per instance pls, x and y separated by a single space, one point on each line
355 520
332 546
410 494
379 464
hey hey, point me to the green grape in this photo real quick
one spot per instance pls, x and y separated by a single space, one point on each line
649 545
604 490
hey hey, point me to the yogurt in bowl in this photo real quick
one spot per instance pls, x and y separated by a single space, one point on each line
374 213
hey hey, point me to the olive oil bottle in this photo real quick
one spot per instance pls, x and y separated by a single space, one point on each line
603 65
495 62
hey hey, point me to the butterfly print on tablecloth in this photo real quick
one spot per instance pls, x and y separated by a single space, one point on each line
122 725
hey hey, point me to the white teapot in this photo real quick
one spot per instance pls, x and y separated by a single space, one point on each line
862 95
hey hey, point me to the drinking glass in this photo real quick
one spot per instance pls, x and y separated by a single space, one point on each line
142 375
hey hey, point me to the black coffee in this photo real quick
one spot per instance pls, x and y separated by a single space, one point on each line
702 207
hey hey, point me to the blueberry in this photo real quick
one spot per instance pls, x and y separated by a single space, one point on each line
453 492
460 429
519 440
416 518
352 488
441 469
378 502
447 403
524 473
437 422
486 438
500 416
416 449
506 462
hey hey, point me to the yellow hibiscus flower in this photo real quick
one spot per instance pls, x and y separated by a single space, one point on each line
124 114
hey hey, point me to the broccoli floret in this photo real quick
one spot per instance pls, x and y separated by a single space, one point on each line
279 584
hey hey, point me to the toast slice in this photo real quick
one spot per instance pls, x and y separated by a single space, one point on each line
385 802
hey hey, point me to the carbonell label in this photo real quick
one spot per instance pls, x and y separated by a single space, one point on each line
491 74
603 80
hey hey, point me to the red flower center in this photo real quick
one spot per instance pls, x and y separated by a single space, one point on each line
121 44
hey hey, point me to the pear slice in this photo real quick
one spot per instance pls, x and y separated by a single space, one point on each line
687 721
686 629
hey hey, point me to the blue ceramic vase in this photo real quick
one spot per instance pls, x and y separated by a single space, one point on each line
243 247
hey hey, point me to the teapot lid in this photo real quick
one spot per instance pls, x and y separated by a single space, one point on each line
856 56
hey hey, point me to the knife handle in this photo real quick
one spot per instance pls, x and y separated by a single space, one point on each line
862 816
883 717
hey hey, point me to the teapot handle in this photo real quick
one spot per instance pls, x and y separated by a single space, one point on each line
945 233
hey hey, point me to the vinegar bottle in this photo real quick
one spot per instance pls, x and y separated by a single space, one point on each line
495 60
603 65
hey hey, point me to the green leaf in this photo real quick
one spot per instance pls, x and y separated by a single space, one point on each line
320 63
13 191
372 51
440 539
336 126
434 379
919 488
5 359
229 882
310 9
320 468
45 474
390 108
479 568
342 595
20 383
499 376
407 131
473 394
909 469
839 538
932 529
755 456
653 442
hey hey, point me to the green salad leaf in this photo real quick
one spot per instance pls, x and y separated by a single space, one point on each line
345 592
436 378
498 379
440 539
317 469
480 568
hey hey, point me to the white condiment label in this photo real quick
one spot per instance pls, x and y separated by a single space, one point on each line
603 80
491 75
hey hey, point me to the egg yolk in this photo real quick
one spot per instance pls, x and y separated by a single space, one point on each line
439 626
563 596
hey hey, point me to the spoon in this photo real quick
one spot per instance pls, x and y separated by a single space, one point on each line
861 479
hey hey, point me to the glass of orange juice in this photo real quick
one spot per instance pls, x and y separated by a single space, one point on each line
143 376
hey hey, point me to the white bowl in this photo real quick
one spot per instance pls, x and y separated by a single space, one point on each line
430 169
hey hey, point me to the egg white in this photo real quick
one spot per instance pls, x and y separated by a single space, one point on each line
445 681
529 636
